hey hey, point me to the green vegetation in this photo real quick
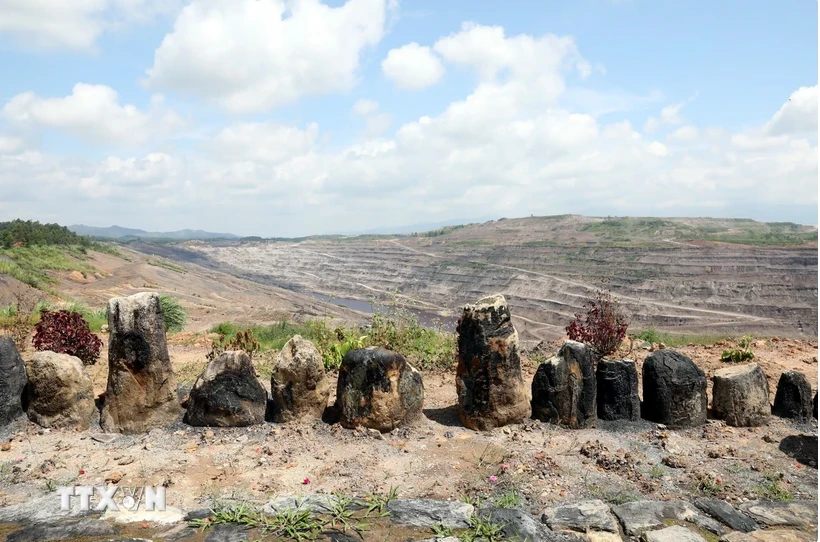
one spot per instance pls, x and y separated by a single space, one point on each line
29 264
32 233
167 265
771 490
675 340
484 529
510 499
740 354
30 313
765 239
173 314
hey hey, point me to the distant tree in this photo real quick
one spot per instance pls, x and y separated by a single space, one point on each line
28 232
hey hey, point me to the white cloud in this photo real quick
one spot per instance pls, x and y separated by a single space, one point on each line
365 107
684 133
798 115
412 67
669 115
92 113
263 142
253 55
375 123
9 145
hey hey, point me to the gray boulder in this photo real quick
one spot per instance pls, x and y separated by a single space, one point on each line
793 397
59 392
564 388
378 389
675 533
430 513
617 391
674 390
142 390
582 517
740 395
12 383
299 384
725 512
490 387
227 394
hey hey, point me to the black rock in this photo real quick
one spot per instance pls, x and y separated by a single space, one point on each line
12 382
227 533
740 395
227 394
563 390
68 529
814 411
618 390
725 512
378 389
793 397
517 524
674 390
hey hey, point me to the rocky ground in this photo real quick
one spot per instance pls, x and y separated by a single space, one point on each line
541 465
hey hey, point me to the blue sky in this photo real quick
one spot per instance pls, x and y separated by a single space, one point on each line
237 116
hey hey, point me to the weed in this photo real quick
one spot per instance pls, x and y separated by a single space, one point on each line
657 472
173 315
243 340
483 528
442 531
378 503
771 490
341 513
710 485
510 499
740 354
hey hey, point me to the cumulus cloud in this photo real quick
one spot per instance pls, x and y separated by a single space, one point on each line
412 67
798 115
92 113
253 55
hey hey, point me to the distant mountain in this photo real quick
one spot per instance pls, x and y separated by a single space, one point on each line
118 232
419 228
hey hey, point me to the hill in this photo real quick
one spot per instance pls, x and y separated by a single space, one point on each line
120 233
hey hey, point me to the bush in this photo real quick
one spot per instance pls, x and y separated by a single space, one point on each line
602 327
244 340
742 353
67 332
172 313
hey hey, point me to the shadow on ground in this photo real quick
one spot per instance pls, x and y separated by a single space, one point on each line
445 416
802 448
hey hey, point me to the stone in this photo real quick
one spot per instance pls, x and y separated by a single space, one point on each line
430 513
63 530
227 394
674 390
517 524
640 516
771 535
43 510
793 397
489 383
299 384
740 395
378 389
142 390
814 410
563 389
168 516
59 392
675 533
583 516
13 382
227 533
617 390
725 512
783 514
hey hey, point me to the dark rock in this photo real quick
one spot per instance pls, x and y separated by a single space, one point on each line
227 394
793 397
637 517
725 512
563 390
430 513
142 390
814 411
490 387
517 523
674 390
70 528
59 392
12 383
200 513
583 516
227 533
43 509
618 390
783 514
740 395
378 389
299 384
675 533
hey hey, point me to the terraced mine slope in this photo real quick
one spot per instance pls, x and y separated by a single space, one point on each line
721 277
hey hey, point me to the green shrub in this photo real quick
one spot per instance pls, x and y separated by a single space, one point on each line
173 314
740 354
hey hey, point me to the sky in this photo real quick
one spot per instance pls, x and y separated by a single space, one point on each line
302 117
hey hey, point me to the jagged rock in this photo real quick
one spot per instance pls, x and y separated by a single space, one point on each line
793 397
674 390
618 390
517 524
783 514
378 389
740 395
490 387
12 383
637 517
430 513
675 533
64 530
227 394
59 391
142 390
726 513
770 535
583 516
299 385
563 390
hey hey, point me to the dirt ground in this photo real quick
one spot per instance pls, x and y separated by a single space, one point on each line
435 458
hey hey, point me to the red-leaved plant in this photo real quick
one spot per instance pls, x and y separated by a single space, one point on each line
603 327
67 332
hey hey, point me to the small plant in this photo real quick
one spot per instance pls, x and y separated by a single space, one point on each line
771 490
17 319
602 327
657 472
710 485
173 315
442 531
378 503
341 513
510 499
740 354
243 340
336 352
484 529
66 332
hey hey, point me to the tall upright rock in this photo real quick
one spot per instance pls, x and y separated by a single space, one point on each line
12 381
793 397
299 384
740 395
618 390
59 391
564 388
142 389
674 390
227 394
491 390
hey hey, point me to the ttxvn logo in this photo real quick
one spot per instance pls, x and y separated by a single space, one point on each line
113 498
